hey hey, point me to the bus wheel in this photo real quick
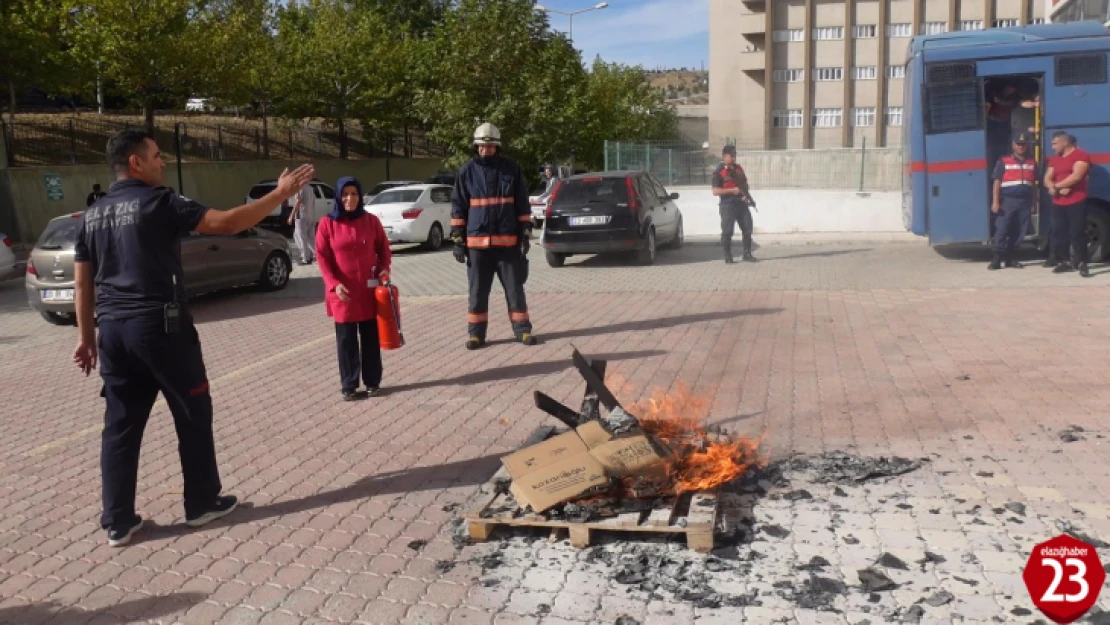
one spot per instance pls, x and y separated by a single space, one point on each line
1098 233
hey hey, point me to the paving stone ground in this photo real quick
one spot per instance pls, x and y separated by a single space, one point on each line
875 349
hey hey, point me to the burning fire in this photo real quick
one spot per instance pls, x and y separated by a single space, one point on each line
702 459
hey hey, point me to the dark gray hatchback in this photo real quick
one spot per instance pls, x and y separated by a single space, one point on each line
613 211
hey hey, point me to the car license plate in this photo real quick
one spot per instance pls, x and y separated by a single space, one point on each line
57 295
595 220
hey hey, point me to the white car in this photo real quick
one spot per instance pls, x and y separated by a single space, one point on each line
418 213
7 258
278 219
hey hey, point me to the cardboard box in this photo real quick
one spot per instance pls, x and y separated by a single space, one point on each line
567 465
633 455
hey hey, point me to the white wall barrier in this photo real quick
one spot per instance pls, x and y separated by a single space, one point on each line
782 211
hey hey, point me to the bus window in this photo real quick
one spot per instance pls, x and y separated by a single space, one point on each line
953 107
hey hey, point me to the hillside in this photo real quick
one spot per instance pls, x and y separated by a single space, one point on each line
679 83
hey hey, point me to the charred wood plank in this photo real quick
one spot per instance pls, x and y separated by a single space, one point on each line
567 415
591 406
595 382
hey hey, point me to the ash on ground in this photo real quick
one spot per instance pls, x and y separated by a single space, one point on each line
784 542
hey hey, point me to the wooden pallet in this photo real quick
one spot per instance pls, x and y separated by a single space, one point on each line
697 523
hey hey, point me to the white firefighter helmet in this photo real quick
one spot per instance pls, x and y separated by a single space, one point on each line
487 134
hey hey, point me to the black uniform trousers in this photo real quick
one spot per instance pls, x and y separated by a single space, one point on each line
1069 232
507 264
137 360
1011 223
731 215
359 353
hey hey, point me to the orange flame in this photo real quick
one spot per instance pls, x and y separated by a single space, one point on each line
703 460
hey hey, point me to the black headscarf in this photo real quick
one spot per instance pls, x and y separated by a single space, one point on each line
339 212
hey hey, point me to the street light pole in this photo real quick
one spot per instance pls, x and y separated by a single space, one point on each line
539 8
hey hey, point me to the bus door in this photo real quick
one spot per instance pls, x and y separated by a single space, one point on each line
956 181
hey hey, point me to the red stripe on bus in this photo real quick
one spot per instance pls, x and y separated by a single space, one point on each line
1101 158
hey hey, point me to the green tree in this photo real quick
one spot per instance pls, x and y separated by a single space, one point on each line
32 51
255 70
497 61
157 51
340 62
620 105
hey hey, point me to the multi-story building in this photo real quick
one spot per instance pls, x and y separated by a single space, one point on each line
827 73
1078 11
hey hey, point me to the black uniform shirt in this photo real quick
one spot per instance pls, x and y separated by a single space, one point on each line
132 238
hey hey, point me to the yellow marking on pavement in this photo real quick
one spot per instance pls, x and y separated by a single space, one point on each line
238 373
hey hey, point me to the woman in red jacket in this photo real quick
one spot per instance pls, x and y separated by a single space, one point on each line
353 252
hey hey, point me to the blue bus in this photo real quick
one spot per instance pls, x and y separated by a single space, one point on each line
951 141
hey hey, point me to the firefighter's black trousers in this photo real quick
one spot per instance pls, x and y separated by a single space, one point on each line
137 361
505 263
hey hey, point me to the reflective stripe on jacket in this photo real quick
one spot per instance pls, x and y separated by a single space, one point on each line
1018 177
490 203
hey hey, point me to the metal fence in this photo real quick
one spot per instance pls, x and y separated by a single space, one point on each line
39 140
679 163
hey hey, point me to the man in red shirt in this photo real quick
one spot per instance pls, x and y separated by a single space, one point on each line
1066 181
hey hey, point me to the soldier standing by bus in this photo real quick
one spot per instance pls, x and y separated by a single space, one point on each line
1015 178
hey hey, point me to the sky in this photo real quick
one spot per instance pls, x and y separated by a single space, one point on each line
667 33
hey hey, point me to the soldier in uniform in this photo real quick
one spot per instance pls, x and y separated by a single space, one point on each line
1015 179
731 185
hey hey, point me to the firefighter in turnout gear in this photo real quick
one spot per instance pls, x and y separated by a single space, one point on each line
1015 179
731 185
491 223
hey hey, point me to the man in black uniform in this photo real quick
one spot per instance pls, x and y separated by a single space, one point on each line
731 185
491 224
94 196
128 263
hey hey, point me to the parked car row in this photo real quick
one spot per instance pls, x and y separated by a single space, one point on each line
211 263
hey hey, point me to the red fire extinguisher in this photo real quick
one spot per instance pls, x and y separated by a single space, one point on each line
388 308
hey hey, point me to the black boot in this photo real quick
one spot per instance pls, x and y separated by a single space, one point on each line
728 256
996 262
1050 260
748 253
1062 268
1011 263
1083 271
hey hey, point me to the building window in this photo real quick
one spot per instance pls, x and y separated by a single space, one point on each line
865 31
934 28
827 118
865 73
971 25
783 36
893 116
786 118
1037 20
864 116
1008 23
826 74
828 33
788 75
895 71
899 30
